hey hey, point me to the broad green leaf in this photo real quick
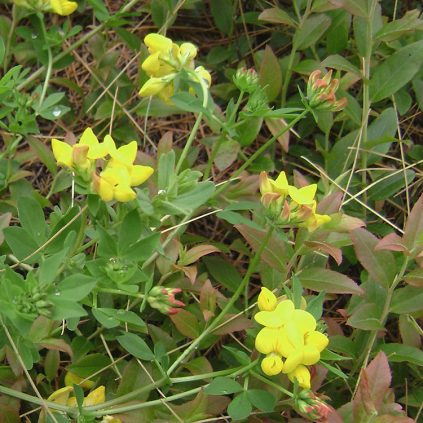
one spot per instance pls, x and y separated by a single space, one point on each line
366 317
227 154
90 364
396 71
320 279
130 230
237 219
223 386
65 308
32 219
278 16
188 102
399 353
247 132
110 317
75 287
144 248
340 63
413 235
240 407
223 15
415 278
379 264
186 323
44 153
196 197
166 170
21 243
270 74
390 186
136 346
409 23
223 272
262 400
310 31
407 300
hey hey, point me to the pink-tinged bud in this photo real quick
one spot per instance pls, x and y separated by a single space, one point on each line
246 80
312 407
163 299
321 92
265 185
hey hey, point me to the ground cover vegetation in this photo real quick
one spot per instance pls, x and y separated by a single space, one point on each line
211 211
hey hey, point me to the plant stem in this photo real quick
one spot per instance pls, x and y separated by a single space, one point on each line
262 149
9 39
194 130
273 384
49 64
229 304
385 312
74 46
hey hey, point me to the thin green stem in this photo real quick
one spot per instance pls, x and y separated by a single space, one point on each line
194 130
385 312
251 269
9 39
262 149
49 64
74 46
272 384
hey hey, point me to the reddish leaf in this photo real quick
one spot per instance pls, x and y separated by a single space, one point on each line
330 204
186 323
195 253
394 419
278 16
333 251
379 378
208 297
189 271
235 325
194 410
56 344
276 254
415 278
414 226
319 279
334 417
391 242
270 74
275 127
380 264
343 223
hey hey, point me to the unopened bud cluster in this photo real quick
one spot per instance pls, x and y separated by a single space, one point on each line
310 406
288 206
163 299
33 302
321 92
246 80
165 61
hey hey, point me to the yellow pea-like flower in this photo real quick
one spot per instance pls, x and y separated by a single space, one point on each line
187 52
73 379
153 86
61 396
203 73
277 317
266 340
266 300
63 7
62 152
272 365
139 174
95 397
158 43
302 375
304 195
280 185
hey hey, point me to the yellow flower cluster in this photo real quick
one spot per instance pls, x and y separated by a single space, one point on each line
288 205
64 396
289 338
118 173
166 59
61 7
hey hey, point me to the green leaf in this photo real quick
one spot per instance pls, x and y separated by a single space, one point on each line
379 264
144 248
188 103
396 71
2 50
409 23
65 308
135 346
399 353
270 74
278 16
90 364
413 234
310 31
21 243
338 62
186 323
237 219
262 400
390 186
366 317
31 217
194 198
223 15
130 230
100 10
223 386
240 407
227 154
111 318
315 305
166 170
75 287
319 279
223 272
407 300
44 153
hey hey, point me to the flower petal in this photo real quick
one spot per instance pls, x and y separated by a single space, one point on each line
317 339
124 193
62 153
311 355
266 340
278 317
63 7
139 174
302 374
157 42
304 320
267 300
292 361
272 365
304 195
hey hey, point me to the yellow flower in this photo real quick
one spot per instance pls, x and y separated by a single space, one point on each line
304 195
277 317
203 73
73 379
158 43
98 396
111 419
153 87
302 375
266 300
61 396
63 7
272 365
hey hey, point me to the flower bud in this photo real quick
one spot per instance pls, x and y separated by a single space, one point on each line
152 87
266 300
272 364
246 80
163 299
321 92
73 379
312 407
